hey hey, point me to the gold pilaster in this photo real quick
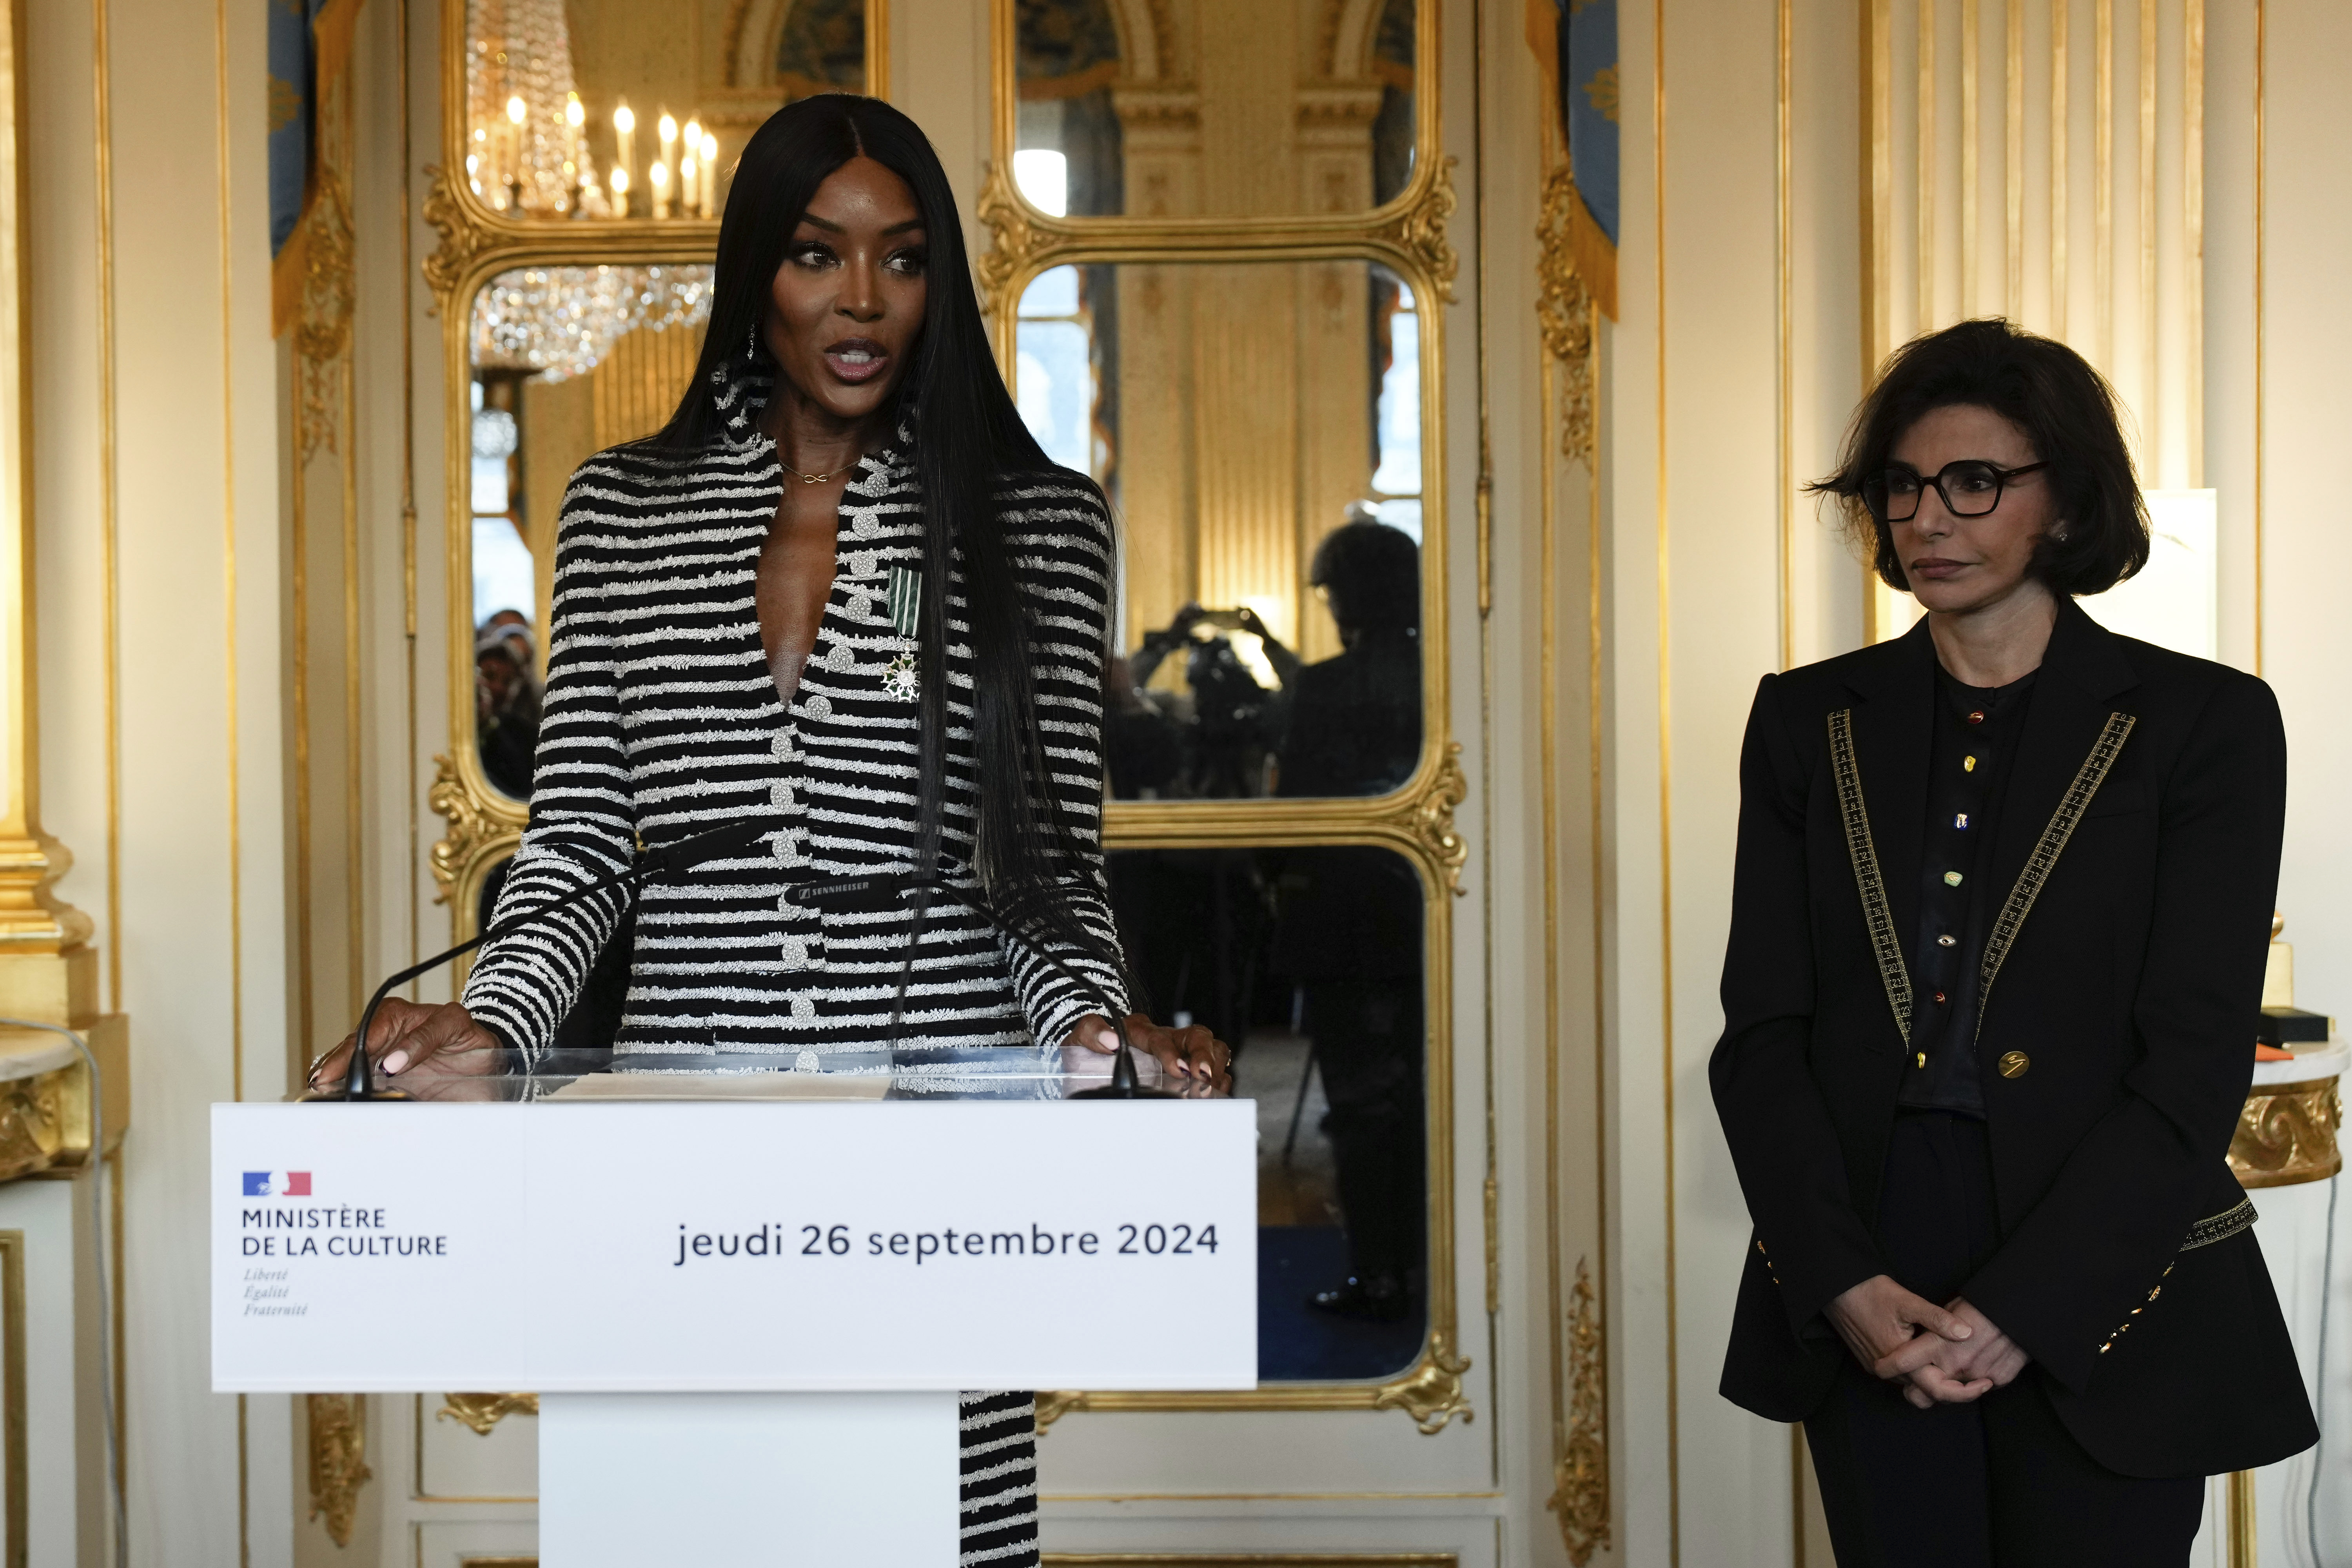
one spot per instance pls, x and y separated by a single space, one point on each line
48 973
338 1461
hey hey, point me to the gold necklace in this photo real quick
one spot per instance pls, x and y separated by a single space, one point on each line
810 478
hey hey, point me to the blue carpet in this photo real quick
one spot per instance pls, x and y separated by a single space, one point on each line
1298 1344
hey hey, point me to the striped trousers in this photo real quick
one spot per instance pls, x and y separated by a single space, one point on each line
1000 1480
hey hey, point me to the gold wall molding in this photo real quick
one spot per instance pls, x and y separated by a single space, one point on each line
1580 1494
1420 230
460 237
33 923
2287 1135
1427 817
478 832
322 333
1052 1405
1568 313
1567 316
482 1412
338 1461
1013 240
1431 1393
35 1124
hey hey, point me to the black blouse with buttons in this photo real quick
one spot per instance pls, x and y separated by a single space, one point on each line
1976 730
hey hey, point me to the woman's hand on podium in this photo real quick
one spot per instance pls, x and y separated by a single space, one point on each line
1194 1060
430 1040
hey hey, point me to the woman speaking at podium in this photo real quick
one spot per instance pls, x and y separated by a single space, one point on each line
843 590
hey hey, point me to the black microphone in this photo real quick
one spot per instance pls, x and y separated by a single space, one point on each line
668 861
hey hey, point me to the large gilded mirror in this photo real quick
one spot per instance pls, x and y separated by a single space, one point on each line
1246 356
1258 428
1172 108
602 110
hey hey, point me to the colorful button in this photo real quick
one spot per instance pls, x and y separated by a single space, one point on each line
2014 1064
1939 996
1960 819
1923 1059
1951 878
1969 765
1976 716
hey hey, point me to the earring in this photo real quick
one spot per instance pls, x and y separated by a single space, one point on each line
752 345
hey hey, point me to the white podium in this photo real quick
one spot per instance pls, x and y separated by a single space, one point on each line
746 1321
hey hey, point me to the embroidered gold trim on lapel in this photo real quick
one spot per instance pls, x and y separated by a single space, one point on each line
1866 877
2220 1226
2038 864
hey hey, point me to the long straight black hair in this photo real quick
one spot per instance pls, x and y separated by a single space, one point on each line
969 441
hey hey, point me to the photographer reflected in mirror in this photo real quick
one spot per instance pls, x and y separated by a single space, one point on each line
507 701
1350 938
1354 720
1229 718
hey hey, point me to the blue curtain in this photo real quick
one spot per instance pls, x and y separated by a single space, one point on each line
1588 109
293 103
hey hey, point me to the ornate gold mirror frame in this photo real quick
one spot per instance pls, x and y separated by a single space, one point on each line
1407 236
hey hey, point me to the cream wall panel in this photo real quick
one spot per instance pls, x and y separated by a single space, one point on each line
2305 637
189 420
1506 819
176 960
400 924
1642 1349
430 429
1823 327
67 502
1720 526
2230 404
50 1230
1706 442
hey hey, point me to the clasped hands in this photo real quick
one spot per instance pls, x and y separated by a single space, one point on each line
1940 1355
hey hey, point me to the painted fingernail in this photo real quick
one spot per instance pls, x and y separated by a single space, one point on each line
396 1062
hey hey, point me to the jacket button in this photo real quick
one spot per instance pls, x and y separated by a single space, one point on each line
2014 1063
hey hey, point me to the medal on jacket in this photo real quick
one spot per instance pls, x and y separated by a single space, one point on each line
906 612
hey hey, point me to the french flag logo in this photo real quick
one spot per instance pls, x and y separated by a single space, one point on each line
277 1184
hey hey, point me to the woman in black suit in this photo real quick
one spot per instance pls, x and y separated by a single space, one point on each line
1998 928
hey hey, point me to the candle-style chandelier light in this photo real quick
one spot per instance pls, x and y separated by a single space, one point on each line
531 149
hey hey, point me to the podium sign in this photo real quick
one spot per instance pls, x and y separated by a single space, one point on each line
764 1246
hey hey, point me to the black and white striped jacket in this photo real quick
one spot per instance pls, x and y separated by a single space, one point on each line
662 721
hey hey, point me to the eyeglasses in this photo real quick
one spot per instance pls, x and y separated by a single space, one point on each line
1970 488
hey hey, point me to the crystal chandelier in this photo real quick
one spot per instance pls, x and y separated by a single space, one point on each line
559 321
526 147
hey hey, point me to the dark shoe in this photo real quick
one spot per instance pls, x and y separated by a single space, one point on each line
1378 1299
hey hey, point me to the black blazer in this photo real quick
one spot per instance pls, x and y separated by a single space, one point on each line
2126 1266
